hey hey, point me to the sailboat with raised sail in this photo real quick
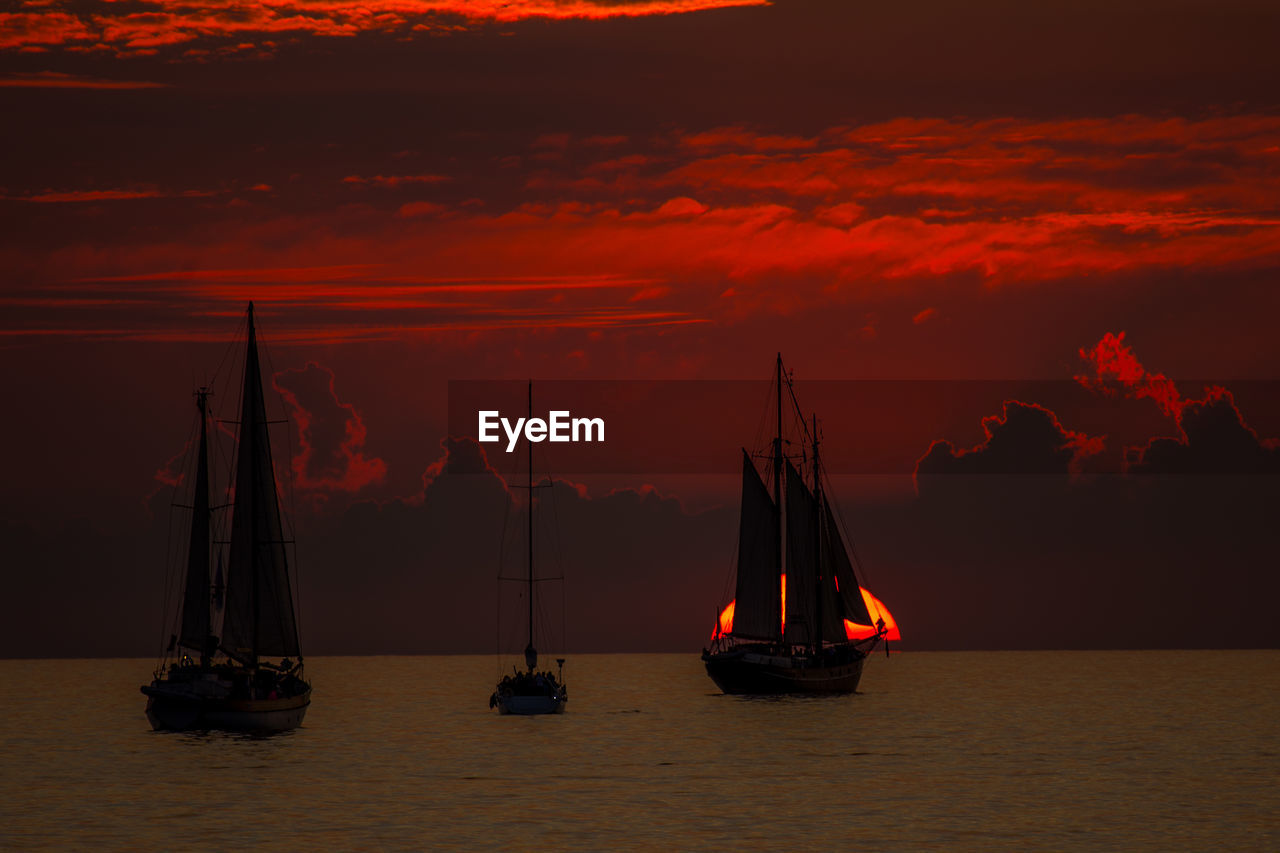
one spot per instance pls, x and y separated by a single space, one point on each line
531 692
795 585
231 683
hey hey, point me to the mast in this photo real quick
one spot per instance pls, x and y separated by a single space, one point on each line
530 654
817 544
197 595
777 496
251 363
259 618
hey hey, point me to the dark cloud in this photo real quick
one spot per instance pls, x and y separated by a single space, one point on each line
1025 439
1214 439
985 561
420 574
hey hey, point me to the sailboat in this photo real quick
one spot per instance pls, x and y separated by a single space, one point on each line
795 584
228 682
530 692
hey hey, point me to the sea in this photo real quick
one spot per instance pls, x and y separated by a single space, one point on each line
1112 750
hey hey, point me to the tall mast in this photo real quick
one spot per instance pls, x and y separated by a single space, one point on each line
530 659
817 543
197 598
777 492
259 618
202 512
251 364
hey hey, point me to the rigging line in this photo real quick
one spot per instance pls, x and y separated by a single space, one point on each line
538 603
564 616
174 575
221 465
507 505
265 349
859 570
757 441
172 562
220 521
558 556
558 562
228 350
190 462
497 629
731 572
286 518
239 403
540 637
240 344
222 457
798 415
291 515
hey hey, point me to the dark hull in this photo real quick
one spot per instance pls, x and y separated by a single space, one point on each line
170 709
751 672
530 705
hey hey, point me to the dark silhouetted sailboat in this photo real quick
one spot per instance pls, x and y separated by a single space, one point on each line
227 682
795 582
531 692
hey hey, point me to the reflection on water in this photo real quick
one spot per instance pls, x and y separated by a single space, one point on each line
974 749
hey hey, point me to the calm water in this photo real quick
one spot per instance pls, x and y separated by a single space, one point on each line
959 750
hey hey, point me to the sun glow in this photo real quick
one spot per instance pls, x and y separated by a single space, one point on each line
852 630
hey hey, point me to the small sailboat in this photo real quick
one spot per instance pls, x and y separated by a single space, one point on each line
796 587
227 681
530 692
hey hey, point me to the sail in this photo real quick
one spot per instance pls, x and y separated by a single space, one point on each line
836 560
802 573
195 597
832 607
758 609
259 618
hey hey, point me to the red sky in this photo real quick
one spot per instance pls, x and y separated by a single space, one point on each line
416 191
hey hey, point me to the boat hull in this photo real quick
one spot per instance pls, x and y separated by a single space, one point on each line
174 710
530 705
752 673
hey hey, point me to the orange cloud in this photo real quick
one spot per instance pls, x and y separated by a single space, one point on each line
331 433
58 80
1114 362
781 229
741 137
117 194
164 23
395 180
1213 436
94 195
420 208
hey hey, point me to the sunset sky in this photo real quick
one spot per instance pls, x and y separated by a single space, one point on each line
1076 203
